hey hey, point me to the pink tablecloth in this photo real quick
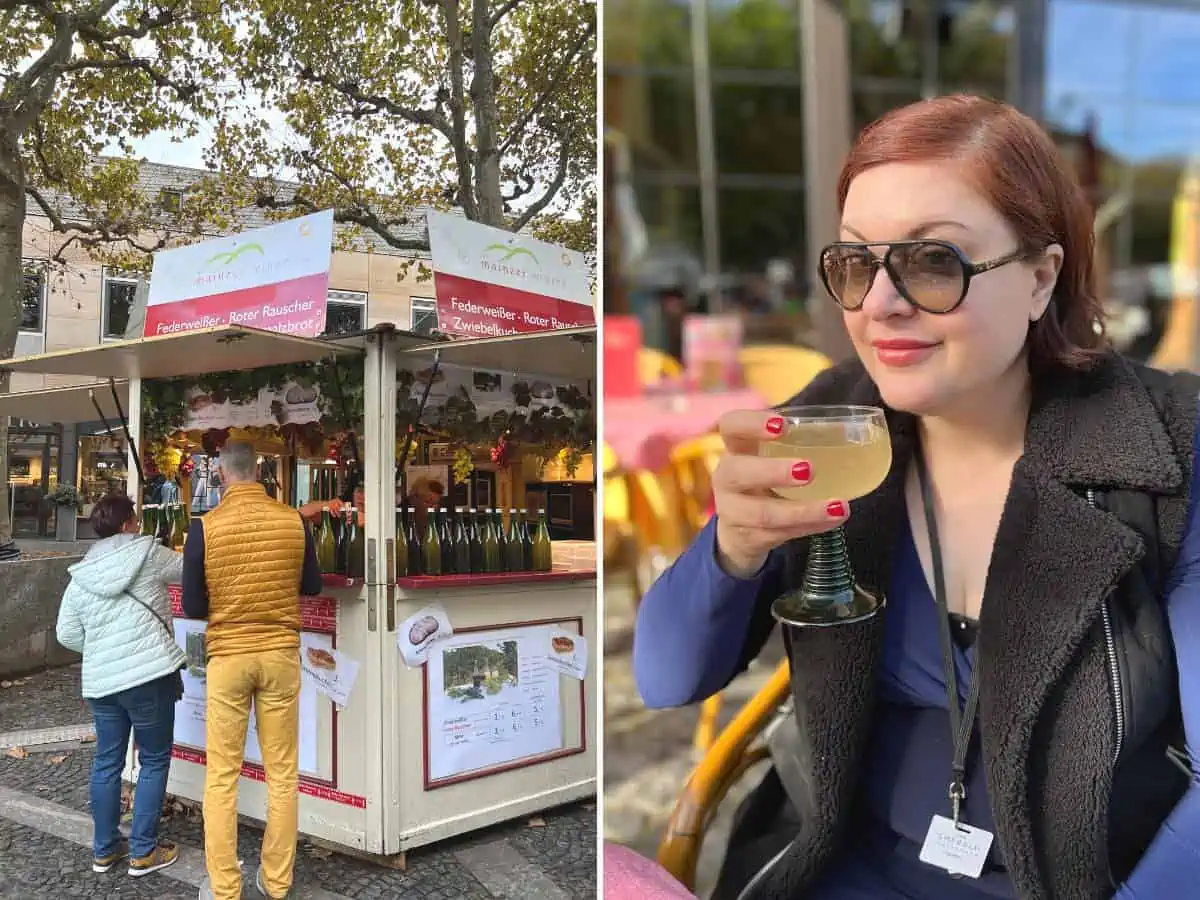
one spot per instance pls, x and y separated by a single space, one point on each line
643 431
628 876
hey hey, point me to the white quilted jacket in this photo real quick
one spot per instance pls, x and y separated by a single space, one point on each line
122 643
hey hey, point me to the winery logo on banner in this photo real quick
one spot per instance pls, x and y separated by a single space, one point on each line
275 278
490 282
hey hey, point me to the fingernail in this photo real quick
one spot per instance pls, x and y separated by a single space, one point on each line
775 425
836 509
802 472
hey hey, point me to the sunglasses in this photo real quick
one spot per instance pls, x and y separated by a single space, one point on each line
931 275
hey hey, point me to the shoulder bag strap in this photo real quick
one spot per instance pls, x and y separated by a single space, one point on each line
150 609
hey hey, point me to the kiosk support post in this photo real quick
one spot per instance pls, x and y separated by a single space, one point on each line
133 425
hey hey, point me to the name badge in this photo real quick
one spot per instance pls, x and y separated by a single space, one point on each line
959 849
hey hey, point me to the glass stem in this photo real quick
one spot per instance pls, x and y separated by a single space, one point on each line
827 577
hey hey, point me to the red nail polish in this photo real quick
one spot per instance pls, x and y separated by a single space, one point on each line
836 509
775 425
802 471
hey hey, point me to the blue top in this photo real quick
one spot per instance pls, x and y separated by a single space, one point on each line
693 623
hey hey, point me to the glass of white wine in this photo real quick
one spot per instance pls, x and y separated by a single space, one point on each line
851 453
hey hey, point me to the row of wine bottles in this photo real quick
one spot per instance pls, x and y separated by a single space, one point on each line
341 544
472 542
168 523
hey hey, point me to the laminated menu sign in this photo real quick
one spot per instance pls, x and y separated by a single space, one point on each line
331 672
191 712
493 700
567 652
418 633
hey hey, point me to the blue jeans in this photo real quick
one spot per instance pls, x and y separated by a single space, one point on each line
149 710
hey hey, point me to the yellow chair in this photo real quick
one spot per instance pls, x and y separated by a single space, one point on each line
733 753
642 519
618 529
779 371
654 365
694 462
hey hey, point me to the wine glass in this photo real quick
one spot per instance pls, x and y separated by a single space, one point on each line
851 454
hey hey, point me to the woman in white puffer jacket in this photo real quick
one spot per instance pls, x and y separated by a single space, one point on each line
116 611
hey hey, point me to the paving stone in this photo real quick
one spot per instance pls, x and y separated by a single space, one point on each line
47 699
37 866
564 851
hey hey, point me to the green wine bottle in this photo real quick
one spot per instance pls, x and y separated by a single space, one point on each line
462 544
501 540
414 544
475 542
493 562
446 540
326 543
526 542
543 551
356 547
514 550
401 546
431 547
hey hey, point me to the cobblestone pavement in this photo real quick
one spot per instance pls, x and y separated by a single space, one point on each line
44 831
41 701
648 754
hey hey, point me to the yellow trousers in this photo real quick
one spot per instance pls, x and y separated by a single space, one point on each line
271 680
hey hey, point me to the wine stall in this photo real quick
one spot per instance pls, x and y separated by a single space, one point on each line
444 615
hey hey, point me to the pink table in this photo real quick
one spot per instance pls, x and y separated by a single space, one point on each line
642 431
628 876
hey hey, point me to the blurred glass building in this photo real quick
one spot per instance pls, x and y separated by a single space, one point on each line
726 121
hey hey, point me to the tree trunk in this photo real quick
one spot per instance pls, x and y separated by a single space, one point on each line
12 223
483 99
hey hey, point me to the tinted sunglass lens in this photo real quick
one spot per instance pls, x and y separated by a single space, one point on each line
932 275
847 272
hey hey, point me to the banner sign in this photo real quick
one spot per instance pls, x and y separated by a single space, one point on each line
490 392
491 282
274 278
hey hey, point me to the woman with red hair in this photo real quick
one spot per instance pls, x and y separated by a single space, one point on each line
1014 723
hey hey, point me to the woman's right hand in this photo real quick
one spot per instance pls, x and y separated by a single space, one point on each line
751 520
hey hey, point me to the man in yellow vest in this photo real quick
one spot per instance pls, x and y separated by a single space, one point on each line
245 566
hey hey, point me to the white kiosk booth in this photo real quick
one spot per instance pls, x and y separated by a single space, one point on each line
418 753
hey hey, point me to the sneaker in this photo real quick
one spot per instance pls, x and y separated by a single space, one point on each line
165 854
206 889
262 888
104 864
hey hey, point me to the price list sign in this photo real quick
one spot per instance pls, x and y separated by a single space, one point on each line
493 700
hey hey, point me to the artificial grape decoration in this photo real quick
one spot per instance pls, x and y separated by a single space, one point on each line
500 453
463 465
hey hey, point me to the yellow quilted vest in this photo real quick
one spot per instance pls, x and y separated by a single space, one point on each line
253 557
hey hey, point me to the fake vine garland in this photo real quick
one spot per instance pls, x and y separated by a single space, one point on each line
543 431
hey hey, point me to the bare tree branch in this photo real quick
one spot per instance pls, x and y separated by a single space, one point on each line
503 10
364 218
96 234
560 177
375 103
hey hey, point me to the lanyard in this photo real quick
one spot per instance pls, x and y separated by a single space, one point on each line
961 721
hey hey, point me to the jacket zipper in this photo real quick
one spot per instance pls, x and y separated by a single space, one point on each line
1110 652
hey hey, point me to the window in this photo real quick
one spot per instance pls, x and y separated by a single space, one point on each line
345 312
33 297
170 201
120 292
423 319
